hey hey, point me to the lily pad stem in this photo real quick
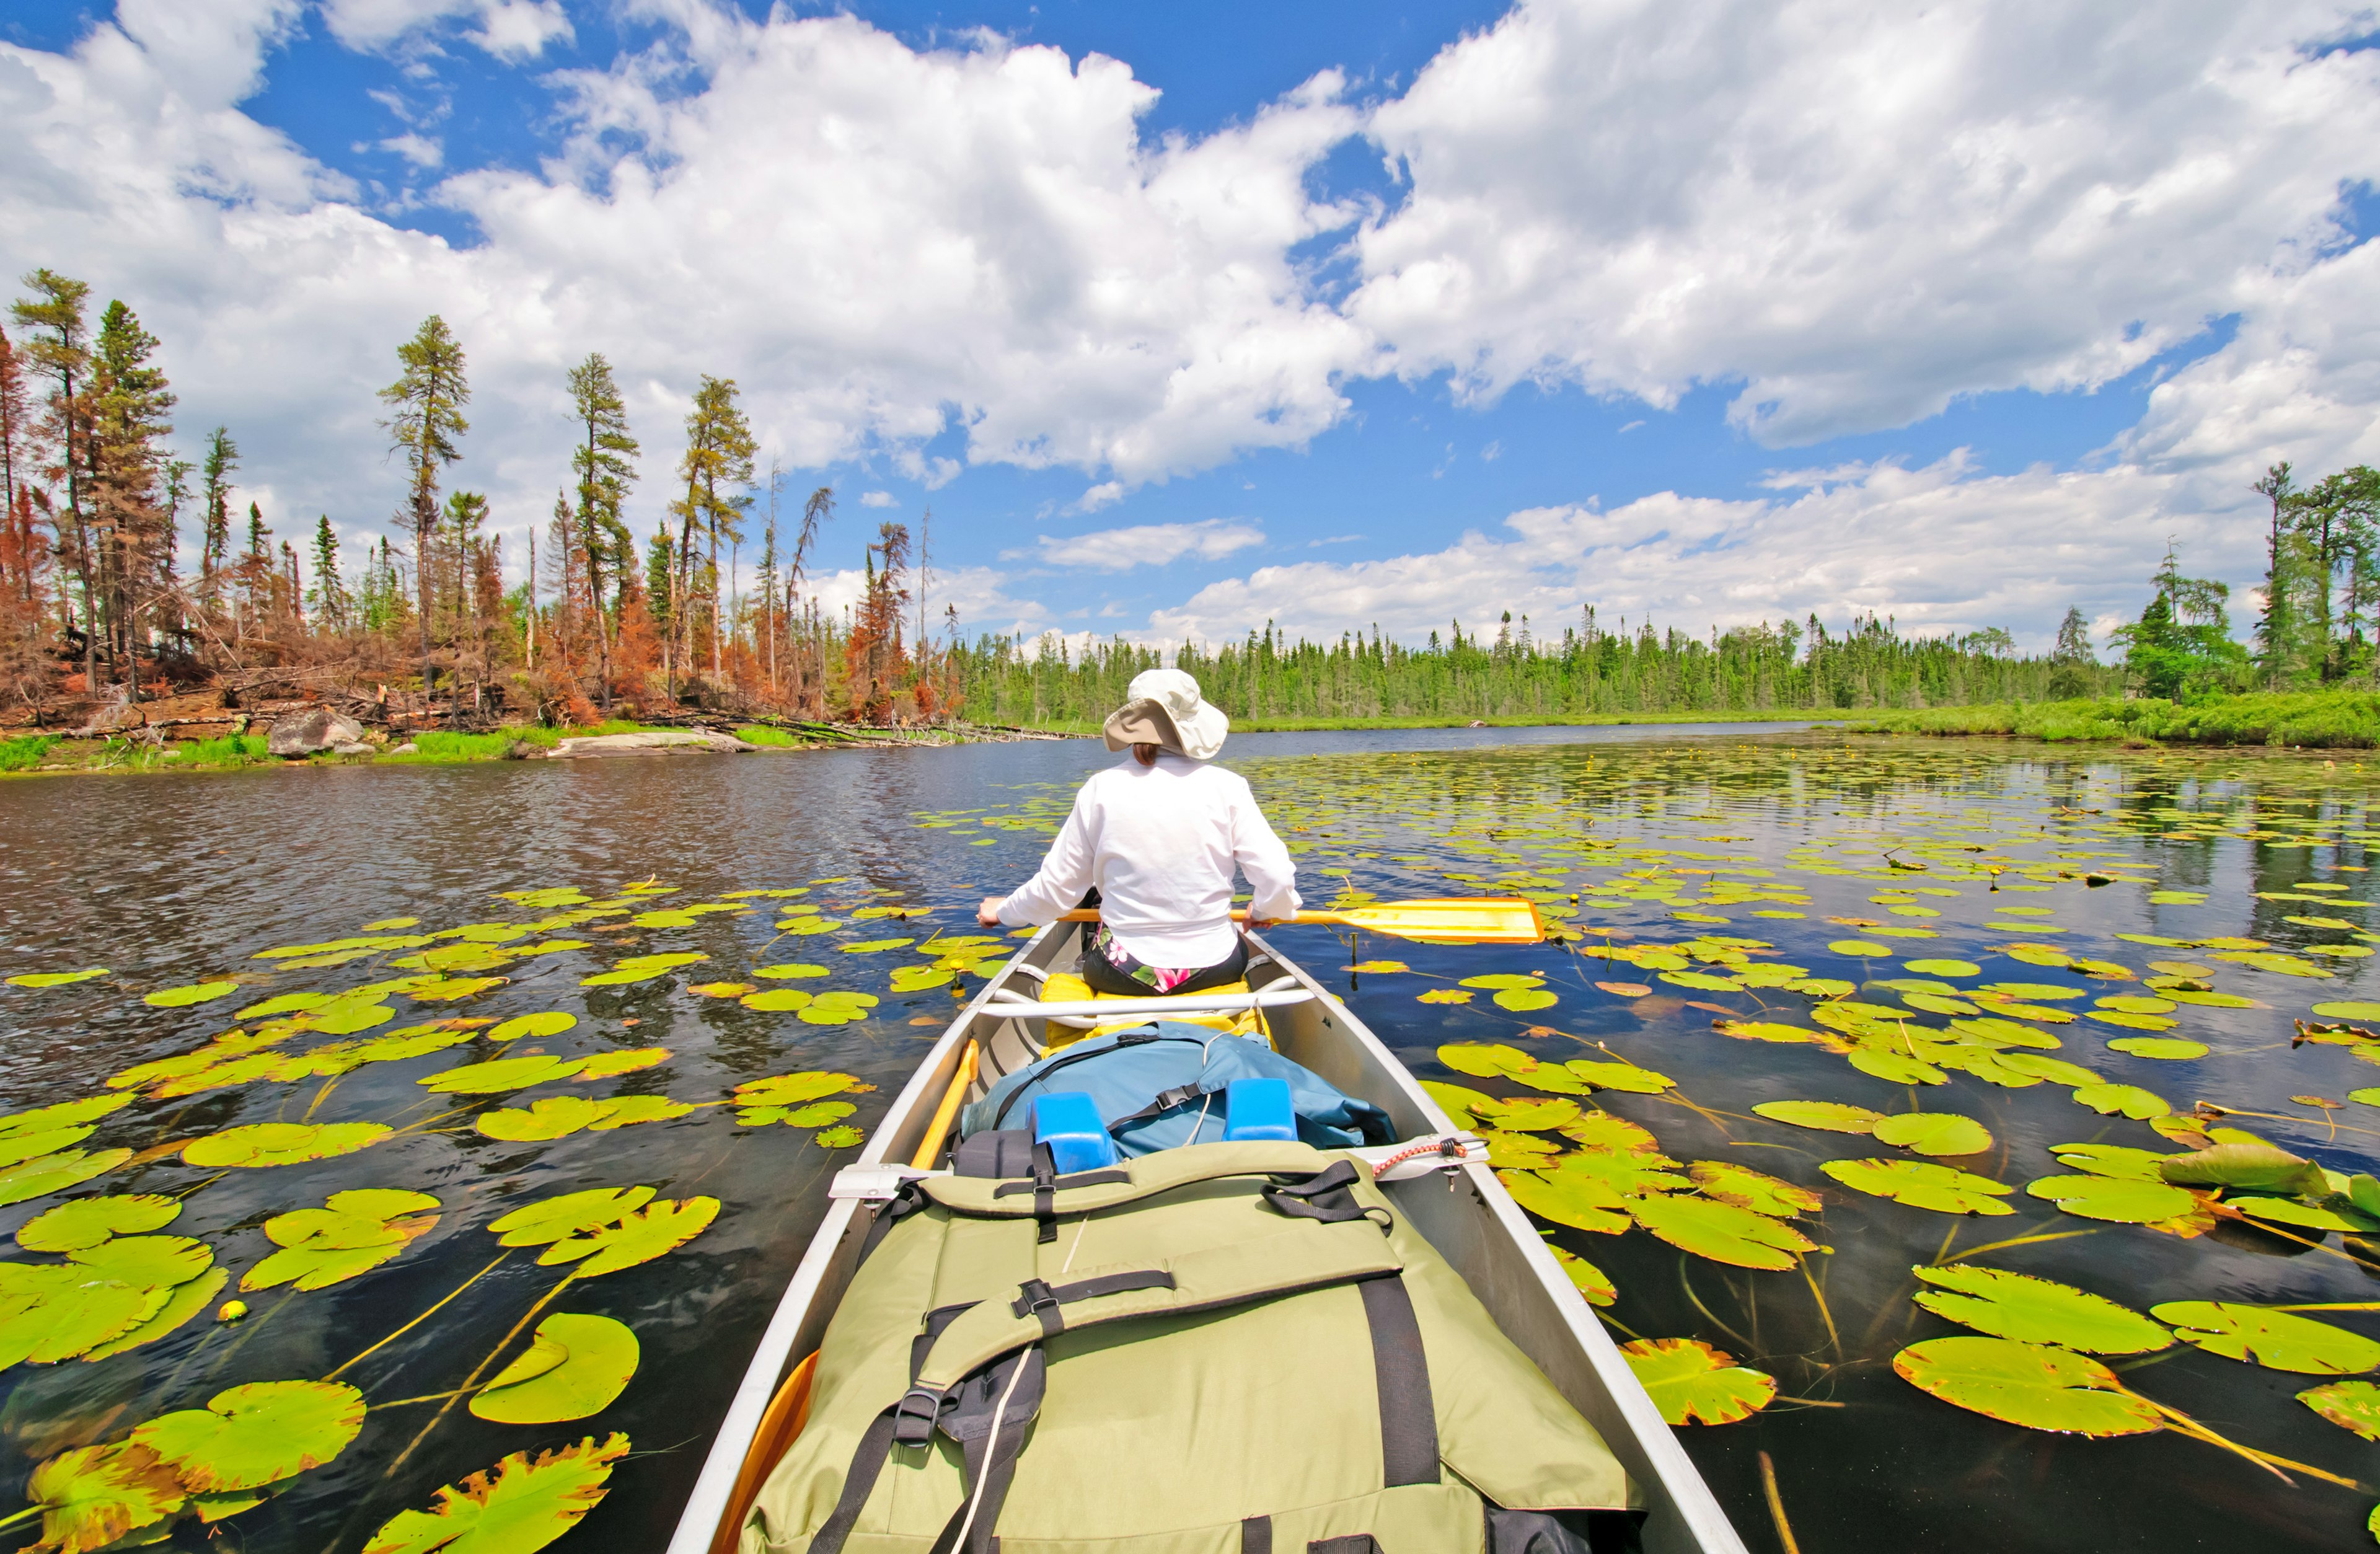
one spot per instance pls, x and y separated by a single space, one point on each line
1833 1337
1687 1284
419 1320
2265 1460
1776 1505
471 1380
2016 1241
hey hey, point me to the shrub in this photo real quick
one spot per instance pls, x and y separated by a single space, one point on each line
25 751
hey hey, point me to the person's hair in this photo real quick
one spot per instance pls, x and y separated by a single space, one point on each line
1144 754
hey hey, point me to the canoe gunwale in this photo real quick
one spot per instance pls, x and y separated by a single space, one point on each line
1499 1254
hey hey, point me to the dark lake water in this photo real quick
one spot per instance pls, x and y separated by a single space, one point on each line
172 880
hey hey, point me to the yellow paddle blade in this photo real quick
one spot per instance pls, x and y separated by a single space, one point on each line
1450 921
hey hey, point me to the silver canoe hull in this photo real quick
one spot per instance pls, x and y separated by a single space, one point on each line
1466 1214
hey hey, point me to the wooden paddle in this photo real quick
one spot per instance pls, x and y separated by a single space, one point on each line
1445 920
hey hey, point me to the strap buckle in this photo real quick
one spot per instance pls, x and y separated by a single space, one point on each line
915 1415
1033 1297
1181 1095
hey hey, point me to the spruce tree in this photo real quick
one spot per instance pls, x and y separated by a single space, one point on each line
330 595
127 462
2276 628
425 417
214 501
605 463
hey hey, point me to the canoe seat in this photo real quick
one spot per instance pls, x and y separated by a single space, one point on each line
1066 986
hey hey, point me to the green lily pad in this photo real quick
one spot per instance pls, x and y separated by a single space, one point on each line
556 1218
184 1301
1943 969
2112 1159
777 1000
499 1075
16 1148
2036 1385
1626 1077
1582 1202
1464 1107
2115 1200
793 1089
549 1022
1525 1114
274 1144
94 1496
55 978
575 1367
2034 1310
2129 1100
1923 1184
49 1313
2306 1216
2169 1049
353 1233
1518 1151
185 996
1865 949
1933 1133
641 969
1829 1116
2276 1340
1721 1232
623 1111
654 1231
254 1435
817 1114
787 971
2040 1065
1895 1069
918 978
1523 999
2348 1010
2255 1168
2351 1405
71 1227
145 1261
873 946
611 1065
520 1506
51 1174
1747 1188
1693 1383
1588 1280
838 1139
1496 981
64 1115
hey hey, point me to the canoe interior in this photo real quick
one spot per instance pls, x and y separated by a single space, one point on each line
1465 1214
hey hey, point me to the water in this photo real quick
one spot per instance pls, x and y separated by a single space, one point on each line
172 880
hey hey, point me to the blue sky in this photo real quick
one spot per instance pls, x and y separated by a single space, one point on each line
1667 309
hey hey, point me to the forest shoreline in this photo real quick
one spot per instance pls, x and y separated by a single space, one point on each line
2333 720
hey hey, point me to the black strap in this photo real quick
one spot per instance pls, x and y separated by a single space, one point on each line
1038 1297
1347 1543
1255 1534
1074 1055
875 1443
1159 1104
1325 1195
1063 1184
1400 1371
936 1320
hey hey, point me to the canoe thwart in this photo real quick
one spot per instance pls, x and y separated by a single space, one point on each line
1104 1009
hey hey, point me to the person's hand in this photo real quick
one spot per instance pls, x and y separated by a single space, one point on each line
986 911
1260 924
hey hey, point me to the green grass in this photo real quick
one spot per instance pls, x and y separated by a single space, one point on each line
25 751
769 738
2318 720
231 749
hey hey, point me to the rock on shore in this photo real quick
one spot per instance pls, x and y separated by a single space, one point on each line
319 730
659 742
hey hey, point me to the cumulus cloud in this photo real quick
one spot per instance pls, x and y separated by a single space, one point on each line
513 30
980 594
878 499
1120 550
1988 550
1859 214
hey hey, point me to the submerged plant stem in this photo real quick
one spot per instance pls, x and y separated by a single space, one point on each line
2016 1241
1776 1505
502 1343
1820 1296
419 1320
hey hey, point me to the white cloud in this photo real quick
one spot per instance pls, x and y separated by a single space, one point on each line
511 30
1940 548
422 151
1856 213
878 499
1105 494
1120 550
979 592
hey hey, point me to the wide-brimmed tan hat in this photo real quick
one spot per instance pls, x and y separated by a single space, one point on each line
1167 711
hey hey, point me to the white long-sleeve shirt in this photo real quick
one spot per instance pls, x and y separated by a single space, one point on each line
1160 843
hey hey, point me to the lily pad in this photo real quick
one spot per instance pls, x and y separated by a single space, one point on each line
1588 1280
793 1089
1866 948
51 1174
520 1506
1622 1076
1582 1202
274 1144
787 971
71 1227
547 1022
2167 1048
2348 1010
2255 1168
918 978
499 1075
778 1000
1933 1133
188 994
873 946
49 1313
556 1218
653 1231
1747 1188
184 1301
64 1115
353 1233
254 1435
1829 1116
2351 1405
1721 1232
2112 1159
550 1118
1943 968
1693 1383
2038 1311
155 1262
94 1496
1523 999
1923 1184
55 978
2129 1100
611 1065
2036 1385
2115 1200
575 1367
2276 1340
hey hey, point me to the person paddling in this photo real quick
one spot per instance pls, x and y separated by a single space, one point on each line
1158 836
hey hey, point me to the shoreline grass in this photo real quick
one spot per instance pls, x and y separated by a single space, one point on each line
2332 720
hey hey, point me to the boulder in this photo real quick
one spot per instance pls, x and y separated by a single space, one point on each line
312 732
660 742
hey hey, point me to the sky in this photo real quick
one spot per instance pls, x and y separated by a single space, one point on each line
1335 315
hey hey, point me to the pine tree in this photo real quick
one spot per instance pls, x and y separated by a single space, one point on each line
128 429
719 452
255 570
426 416
214 500
63 356
605 464
15 423
329 597
2277 626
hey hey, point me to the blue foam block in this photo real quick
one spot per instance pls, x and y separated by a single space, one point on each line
1070 1125
1258 1108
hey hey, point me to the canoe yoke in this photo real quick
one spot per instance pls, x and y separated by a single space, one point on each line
1010 1346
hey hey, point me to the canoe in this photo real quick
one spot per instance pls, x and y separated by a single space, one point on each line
1481 1232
